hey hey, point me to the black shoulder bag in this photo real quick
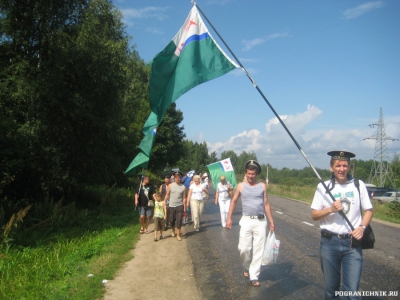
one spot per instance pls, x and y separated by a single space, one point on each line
368 238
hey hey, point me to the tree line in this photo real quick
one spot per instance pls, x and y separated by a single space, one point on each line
196 157
73 101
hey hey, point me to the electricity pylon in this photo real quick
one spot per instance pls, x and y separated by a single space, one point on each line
381 169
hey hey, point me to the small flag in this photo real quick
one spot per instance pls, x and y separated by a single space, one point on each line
223 167
190 174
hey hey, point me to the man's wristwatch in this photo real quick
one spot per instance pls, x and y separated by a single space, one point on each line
363 226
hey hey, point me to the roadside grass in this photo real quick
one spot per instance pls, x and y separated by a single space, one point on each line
54 261
387 211
304 193
383 211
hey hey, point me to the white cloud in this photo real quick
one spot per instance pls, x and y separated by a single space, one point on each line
353 13
295 123
249 139
248 44
274 146
145 13
392 128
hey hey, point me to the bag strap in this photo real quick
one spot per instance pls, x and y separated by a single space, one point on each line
357 184
148 190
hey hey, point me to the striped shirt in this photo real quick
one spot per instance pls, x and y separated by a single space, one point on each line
176 194
252 199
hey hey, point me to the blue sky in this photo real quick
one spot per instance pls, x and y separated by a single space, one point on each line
327 67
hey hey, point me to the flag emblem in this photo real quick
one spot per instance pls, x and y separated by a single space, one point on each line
223 167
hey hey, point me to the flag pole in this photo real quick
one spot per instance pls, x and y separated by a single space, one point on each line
274 111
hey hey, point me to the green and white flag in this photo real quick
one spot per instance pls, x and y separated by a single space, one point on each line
191 58
223 167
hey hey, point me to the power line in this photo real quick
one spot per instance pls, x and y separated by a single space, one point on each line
381 169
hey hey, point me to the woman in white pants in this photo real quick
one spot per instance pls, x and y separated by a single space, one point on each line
196 200
223 198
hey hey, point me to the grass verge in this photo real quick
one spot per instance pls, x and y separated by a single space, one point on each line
54 262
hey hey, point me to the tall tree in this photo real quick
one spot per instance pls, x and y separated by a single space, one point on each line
62 82
396 170
135 106
168 146
196 157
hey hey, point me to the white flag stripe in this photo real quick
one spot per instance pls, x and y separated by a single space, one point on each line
226 165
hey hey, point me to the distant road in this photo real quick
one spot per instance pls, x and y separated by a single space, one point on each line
219 274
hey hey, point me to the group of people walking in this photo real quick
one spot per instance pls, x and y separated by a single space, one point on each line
340 247
171 203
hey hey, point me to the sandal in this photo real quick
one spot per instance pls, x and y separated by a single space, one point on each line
246 274
141 231
146 231
255 283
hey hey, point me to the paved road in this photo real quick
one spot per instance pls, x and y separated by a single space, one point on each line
218 270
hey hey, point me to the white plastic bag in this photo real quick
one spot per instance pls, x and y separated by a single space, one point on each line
268 255
271 250
276 251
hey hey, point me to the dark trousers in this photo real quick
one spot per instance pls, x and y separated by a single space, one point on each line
175 216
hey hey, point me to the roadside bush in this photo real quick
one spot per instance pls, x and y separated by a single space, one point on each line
394 209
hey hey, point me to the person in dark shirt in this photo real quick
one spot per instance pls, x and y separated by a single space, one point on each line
144 192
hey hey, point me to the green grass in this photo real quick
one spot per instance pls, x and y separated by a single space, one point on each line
304 193
386 211
57 265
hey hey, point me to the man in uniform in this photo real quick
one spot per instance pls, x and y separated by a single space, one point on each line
253 224
339 247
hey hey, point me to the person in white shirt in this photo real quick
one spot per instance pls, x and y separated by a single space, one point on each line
195 198
340 247
223 198
204 177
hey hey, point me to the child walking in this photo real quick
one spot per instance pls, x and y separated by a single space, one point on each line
160 213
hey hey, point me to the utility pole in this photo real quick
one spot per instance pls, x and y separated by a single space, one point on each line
381 169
